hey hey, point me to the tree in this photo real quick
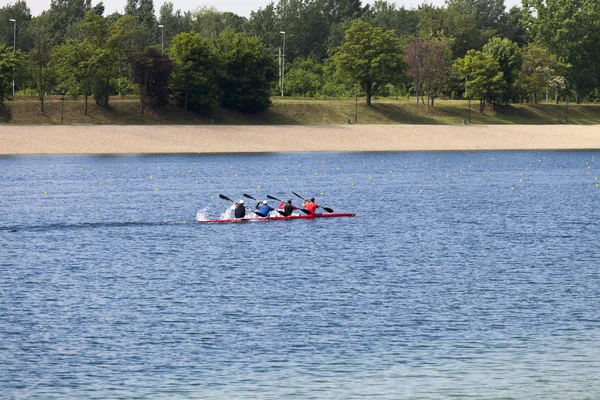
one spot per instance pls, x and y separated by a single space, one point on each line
537 71
147 27
438 68
305 77
173 22
414 58
508 56
513 27
151 71
369 57
196 68
39 66
21 13
64 17
569 29
76 67
248 72
9 60
386 15
485 81
210 23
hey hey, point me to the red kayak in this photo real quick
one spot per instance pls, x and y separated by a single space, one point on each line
279 218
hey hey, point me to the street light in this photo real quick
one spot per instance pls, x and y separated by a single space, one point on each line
62 99
283 64
468 97
14 49
162 38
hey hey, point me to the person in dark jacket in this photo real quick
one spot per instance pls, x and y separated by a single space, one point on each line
239 209
287 208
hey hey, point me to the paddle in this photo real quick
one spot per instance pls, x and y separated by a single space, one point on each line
329 210
305 211
222 196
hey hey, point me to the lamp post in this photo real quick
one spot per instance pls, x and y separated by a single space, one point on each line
14 48
567 111
356 110
62 114
162 38
468 98
283 64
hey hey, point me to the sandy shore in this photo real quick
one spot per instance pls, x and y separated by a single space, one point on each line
111 139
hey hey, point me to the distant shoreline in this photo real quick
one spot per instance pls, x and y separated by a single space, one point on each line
202 139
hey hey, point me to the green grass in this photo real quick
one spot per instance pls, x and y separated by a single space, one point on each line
294 111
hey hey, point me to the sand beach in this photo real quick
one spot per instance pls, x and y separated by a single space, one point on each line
160 139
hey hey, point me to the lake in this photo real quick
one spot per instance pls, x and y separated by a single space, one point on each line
464 274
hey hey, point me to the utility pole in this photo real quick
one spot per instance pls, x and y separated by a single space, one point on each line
283 64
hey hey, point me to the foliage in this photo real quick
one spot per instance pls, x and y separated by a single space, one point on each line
9 60
248 72
305 77
538 71
21 13
151 70
195 73
485 81
570 30
39 65
369 57
173 22
388 16
508 56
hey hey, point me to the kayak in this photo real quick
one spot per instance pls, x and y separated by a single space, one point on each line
278 218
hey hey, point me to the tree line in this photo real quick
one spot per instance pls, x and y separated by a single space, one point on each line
203 59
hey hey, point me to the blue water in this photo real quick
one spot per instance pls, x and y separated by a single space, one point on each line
462 275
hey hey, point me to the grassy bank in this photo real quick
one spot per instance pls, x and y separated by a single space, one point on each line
290 111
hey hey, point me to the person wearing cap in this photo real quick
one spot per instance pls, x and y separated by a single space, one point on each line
264 208
239 210
287 208
310 205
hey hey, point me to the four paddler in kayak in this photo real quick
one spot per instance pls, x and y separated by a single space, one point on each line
263 209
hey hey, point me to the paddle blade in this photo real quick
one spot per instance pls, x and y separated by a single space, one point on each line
273 198
249 197
225 197
297 195
259 214
329 210
304 210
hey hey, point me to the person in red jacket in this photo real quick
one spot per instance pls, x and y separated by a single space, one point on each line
310 205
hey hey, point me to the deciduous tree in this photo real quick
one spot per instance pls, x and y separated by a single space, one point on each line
248 72
369 57
195 76
485 81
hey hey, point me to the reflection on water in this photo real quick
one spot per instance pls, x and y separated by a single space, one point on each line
463 275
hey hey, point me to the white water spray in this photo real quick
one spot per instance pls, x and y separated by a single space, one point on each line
202 215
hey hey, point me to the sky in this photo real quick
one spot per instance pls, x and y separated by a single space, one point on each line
240 7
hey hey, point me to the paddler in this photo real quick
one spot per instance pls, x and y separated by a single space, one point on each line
310 205
287 208
239 210
264 208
